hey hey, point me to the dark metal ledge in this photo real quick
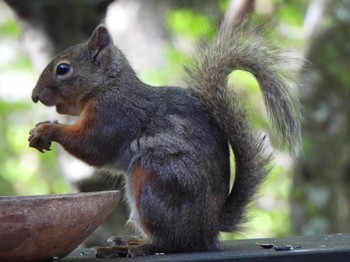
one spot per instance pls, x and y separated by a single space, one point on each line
310 248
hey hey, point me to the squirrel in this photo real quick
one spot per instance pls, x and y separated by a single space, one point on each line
172 142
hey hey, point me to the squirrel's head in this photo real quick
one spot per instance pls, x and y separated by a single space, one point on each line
79 73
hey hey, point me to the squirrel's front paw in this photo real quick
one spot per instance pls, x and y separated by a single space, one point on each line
40 136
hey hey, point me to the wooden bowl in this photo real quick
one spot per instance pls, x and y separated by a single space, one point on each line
37 228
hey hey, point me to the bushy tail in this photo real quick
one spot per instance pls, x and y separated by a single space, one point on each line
239 47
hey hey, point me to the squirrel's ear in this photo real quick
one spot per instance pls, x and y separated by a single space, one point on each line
99 40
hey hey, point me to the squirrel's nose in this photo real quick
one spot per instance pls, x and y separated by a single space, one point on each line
35 98
35 95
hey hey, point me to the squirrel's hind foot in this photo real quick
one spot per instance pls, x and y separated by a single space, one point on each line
129 246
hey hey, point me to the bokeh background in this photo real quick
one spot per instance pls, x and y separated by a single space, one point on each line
304 195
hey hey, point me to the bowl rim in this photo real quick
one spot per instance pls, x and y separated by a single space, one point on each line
59 196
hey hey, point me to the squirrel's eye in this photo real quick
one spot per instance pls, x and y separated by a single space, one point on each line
62 69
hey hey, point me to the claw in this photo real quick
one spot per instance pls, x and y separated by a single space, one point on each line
130 254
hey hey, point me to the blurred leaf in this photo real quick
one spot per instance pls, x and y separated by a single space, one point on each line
10 28
291 11
185 22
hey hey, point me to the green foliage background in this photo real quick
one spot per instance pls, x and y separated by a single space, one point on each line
23 171
27 172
